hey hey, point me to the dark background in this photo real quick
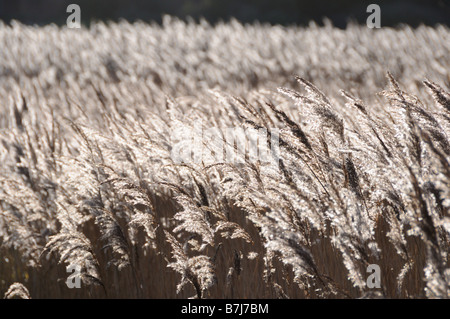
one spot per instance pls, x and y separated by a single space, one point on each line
413 12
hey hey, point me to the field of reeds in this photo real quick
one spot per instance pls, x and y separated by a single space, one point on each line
359 175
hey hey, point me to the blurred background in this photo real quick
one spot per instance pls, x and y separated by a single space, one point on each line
285 12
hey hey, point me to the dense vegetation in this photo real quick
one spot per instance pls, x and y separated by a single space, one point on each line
361 176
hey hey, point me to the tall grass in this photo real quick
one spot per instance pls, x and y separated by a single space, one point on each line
361 175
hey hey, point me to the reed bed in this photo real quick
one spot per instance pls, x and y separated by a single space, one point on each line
359 175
